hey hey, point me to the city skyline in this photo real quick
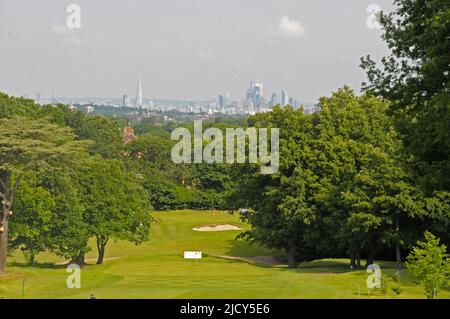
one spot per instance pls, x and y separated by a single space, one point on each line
254 95
286 43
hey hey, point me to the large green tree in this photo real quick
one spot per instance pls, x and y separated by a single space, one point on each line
104 132
341 187
279 206
415 78
30 227
25 144
116 206
67 232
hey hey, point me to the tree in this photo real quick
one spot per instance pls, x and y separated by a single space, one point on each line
30 226
105 134
24 144
415 78
430 264
67 232
49 216
341 187
17 106
280 208
116 206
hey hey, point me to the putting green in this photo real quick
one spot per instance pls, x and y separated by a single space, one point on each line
157 269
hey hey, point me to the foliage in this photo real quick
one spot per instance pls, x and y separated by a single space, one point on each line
32 219
25 144
67 233
430 264
116 206
341 185
415 78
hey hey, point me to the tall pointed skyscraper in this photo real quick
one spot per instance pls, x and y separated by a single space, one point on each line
139 102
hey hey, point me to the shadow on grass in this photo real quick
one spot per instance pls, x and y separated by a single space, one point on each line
242 248
45 265
326 266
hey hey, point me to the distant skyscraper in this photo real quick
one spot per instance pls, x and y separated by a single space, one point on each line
250 109
222 103
249 93
257 94
54 98
139 101
126 100
255 97
274 100
284 98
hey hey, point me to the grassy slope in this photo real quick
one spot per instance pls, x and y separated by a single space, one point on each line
157 270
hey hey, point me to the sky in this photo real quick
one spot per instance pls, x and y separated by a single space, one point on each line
185 49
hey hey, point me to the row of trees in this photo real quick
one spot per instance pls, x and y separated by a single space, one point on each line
369 174
60 211
69 177
342 186
62 182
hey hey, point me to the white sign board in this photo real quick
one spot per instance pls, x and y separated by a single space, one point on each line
192 255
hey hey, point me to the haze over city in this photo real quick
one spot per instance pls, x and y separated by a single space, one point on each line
192 50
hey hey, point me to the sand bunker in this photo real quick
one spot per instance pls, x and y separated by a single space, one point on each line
221 227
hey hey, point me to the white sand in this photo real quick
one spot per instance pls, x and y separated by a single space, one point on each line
223 227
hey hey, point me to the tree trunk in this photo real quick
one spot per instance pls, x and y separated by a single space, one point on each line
7 196
101 245
370 259
101 254
291 259
358 259
3 245
352 259
398 254
31 259
80 259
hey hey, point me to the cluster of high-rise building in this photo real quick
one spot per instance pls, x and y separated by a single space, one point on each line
254 101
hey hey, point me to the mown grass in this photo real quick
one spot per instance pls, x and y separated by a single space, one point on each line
156 269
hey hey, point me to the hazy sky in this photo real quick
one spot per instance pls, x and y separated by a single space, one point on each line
187 49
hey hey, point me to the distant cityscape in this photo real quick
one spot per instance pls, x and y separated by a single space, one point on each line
253 101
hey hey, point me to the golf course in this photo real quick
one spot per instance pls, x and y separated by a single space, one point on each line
229 268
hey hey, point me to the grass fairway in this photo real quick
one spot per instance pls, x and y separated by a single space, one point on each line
157 269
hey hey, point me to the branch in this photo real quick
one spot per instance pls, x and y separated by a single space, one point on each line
14 190
2 183
21 174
